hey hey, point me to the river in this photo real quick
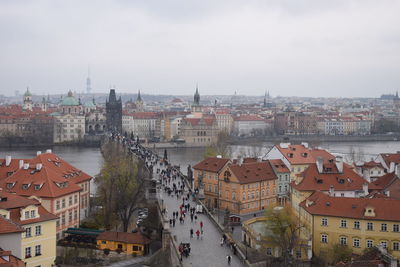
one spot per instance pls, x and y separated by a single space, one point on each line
89 159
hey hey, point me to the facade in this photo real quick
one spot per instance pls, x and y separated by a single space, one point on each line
224 121
358 223
283 181
38 242
113 112
206 175
95 122
130 243
68 127
249 125
142 124
8 259
389 161
199 131
61 188
247 187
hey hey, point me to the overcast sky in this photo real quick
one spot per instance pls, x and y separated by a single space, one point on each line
342 48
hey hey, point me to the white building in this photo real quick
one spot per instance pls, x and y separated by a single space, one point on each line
249 125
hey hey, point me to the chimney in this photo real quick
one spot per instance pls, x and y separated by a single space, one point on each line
392 166
305 144
366 175
320 163
26 166
219 157
259 159
39 166
365 189
8 160
21 163
339 164
38 153
387 193
48 151
240 161
331 191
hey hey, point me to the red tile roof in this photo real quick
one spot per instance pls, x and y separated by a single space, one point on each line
253 172
384 181
385 209
249 118
211 164
207 120
129 238
7 226
312 180
9 260
54 171
299 154
279 165
391 157
15 216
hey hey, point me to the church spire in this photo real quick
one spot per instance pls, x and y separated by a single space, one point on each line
197 96
139 98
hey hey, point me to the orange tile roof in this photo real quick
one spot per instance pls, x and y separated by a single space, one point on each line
253 172
15 216
7 226
129 238
348 180
299 154
248 118
385 209
211 164
384 181
391 157
279 165
7 259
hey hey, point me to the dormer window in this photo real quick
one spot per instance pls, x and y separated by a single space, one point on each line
25 186
33 214
10 185
38 186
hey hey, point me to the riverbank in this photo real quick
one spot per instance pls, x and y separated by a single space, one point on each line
288 138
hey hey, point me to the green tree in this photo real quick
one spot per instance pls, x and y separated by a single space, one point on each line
282 230
220 147
339 253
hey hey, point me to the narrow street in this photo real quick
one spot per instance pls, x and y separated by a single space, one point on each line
205 252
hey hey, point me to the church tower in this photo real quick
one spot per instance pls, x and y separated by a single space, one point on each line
196 107
114 112
139 103
28 103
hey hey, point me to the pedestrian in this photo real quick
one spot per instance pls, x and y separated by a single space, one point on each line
191 232
191 217
195 218
197 233
229 258
233 229
173 222
201 224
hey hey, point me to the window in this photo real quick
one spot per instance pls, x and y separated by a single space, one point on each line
395 227
58 224
28 232
356 242
395 245
252 195
356 225
233 195
120 246
63 219
384 244
70 201
243 196
324 238
383 227
38 230
343 240
370 243
324 222
26 214
343 223
135 248
70 216
104 242
58 205
210 187
370 226
28 252
38 250
63 203
76 199
33 214
269 251
75 215
298 253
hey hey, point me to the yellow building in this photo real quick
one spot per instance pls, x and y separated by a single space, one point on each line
358 223
130 243
38 243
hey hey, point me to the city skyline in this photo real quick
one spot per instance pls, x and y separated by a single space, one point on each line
311 48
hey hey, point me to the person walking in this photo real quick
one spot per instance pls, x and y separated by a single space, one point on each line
198 233
191 232
201 224
229 258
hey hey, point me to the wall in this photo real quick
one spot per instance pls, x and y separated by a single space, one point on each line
12 242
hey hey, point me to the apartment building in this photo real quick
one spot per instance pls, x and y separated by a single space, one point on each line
36 245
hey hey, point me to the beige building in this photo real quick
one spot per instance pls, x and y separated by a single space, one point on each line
199 131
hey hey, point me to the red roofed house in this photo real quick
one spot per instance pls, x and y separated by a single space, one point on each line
389 184
389 161
131 243
205 178
370 170
247 187
61 188
199 131
297 157
333 177
7 259
27 229
358 223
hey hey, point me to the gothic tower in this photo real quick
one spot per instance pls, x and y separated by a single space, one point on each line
139 103
196 107
28 103
114 112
